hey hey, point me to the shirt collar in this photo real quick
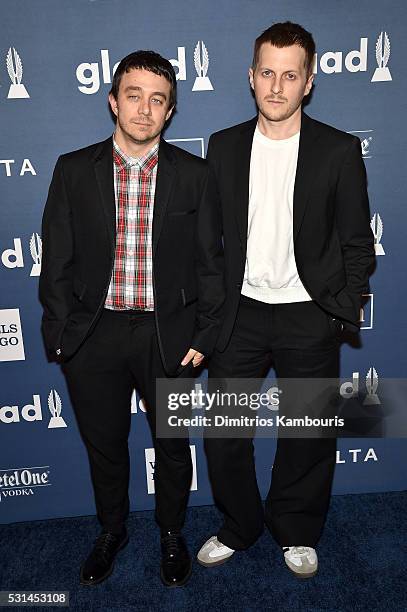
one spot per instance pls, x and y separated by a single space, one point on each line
146 163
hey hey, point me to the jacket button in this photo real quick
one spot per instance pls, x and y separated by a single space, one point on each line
239 285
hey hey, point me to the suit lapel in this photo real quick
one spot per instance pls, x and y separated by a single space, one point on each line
103 163
242 165
166 174
306 170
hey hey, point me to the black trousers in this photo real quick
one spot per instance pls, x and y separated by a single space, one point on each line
121 354
300 340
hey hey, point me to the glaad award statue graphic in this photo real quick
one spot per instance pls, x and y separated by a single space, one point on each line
15 71
36 253
382 73
376 225
365 147
55 407
201 61
372 382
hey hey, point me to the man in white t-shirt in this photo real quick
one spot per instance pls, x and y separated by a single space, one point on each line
298 251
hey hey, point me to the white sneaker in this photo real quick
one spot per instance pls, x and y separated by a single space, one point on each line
302 560
214 552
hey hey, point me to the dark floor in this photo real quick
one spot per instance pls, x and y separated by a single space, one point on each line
362 564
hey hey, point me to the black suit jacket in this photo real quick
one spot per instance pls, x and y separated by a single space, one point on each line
79 235
333 242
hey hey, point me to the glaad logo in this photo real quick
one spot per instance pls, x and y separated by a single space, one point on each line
88 73
33 412
382 73
150 465
55 407
15 72
36 254
356 60
137 405
11 336
201 61
331 61
349 390
20 482
13 258
372 382
366 312
376 225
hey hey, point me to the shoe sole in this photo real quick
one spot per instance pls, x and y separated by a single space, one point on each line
303 576
214 563
108 573
171 585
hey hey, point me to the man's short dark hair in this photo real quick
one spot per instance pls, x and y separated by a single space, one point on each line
284 35
146 60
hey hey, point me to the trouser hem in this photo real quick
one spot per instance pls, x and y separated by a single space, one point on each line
232 541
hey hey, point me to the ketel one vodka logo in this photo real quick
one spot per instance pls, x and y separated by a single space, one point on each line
366 138
376 225
15 71
55 407
201 61
21 482
382 73
350 390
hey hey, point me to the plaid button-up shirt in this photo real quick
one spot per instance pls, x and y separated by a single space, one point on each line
131 284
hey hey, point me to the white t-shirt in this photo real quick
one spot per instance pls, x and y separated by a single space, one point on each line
271 274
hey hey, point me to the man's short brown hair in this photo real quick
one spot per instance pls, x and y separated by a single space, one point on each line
146 60
284 35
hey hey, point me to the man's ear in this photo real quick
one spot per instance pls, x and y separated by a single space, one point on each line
169 113
309 83
251 77
113 104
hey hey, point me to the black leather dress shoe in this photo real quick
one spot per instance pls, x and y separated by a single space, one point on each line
176 566
99 565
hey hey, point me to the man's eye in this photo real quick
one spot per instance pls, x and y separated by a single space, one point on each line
133 97
156 101
266 73
291 76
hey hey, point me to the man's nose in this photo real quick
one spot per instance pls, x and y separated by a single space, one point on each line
276 85
144 108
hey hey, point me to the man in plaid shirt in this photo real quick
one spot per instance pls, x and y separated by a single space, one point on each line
132 288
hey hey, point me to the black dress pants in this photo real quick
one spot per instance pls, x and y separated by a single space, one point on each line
300 340
121 354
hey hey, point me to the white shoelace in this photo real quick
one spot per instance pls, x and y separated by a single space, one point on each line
300 551
297 552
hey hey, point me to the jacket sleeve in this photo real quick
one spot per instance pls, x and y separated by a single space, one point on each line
209 267
55 283
353 222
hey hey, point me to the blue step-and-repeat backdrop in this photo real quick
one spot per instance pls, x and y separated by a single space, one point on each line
56 65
